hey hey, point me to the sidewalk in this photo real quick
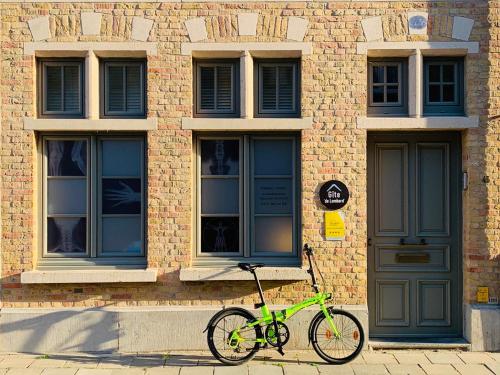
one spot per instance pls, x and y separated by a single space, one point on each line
268 362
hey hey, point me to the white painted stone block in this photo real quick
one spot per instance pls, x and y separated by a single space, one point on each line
197 29
297 28
462 28
39 28
247 23
372 28
417 23
91 23
141 27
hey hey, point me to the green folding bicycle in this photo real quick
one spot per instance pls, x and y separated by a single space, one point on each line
235 335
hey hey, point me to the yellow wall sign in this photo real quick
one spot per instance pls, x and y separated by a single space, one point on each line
482 294
334 225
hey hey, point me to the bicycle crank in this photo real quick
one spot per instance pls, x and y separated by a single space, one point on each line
283 332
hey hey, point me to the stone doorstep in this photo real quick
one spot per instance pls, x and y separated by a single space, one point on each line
431 344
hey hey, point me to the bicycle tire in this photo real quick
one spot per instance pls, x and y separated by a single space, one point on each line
357 333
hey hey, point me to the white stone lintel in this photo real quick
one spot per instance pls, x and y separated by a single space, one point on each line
225 124
409 123
102 49
90 124
141 27
235 274
247 23
91 23
297 28
377 49
89 276
257 49
39 28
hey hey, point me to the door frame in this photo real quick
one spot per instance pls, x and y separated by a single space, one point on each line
370 202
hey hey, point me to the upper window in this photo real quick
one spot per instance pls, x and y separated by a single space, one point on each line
248 197
123 91
387 87
277 88
93 197
216 88
443 86
61 88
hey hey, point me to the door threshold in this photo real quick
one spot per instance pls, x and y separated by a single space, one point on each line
419 343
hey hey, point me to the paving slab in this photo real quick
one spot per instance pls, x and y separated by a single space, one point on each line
495 356
59 371
335 370
443 358
366 369
494 367
197 370
82 362
406 369
16 362
117 362
148 361
304 369
475 357
431 369
379 358
231 370
3 371
181 360
94 371
265 370
411 358
48 363
163 371
25 371
468 369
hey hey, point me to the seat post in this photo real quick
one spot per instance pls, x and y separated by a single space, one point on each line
261 294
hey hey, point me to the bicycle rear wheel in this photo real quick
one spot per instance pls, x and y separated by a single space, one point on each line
220 331
337 349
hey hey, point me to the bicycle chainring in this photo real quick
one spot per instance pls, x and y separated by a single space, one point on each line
283 331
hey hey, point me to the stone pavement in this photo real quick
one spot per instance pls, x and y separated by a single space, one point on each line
395 362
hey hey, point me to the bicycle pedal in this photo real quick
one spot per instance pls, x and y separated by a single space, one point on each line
281 351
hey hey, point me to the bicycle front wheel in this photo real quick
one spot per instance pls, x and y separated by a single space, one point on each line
341 348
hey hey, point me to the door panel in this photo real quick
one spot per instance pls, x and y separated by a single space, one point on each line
414 254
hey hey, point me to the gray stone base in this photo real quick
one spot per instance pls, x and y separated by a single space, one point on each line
482 327
127 329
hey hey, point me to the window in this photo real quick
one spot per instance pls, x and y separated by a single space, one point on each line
61 88
443 86
93 197
248 197
277 86
123 91
216 88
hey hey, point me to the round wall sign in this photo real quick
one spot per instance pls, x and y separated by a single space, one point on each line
418 22
333 195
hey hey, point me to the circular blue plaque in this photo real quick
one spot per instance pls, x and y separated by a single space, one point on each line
418 22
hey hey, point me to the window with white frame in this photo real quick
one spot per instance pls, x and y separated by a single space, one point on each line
93 198
247 197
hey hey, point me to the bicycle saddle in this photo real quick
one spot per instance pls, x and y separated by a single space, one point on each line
250 267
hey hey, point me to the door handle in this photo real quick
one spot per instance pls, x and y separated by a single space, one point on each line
369 241
422 242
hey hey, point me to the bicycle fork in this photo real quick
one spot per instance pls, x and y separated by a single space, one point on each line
329 319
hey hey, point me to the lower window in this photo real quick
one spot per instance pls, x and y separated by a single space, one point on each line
93 198
247 197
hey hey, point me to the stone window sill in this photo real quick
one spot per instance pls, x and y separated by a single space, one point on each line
235 274
407 123
218 124
90 125
89 276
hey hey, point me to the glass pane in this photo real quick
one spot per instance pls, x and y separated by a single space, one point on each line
67 196
207 87
378 94
434 93
66 235
392 74
392 94
434 73
273 196
378 74
121 196
220 157
220 234
67 158
285 89
448 93
116 91
219 196
273 157
134 89
121 158
53 88
273 234
121 234
449 73
224 88
268 94
72 88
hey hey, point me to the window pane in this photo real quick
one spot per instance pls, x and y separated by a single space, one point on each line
134 89
121 158
72 88
273 234
392 74
449 73
116 94
285 89
67 196
434 73
207 87
273 157
121 234
54 88
448 93
392 94
378 94
269 100
273 196
434 93
67 158
224 88
121 196
220 234
220 157
66 235
220 196
378 74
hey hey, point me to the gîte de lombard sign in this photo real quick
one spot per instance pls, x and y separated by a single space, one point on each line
333 194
